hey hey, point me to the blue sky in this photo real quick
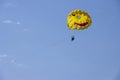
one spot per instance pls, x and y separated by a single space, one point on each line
35 41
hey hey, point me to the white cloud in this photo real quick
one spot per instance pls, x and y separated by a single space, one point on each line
20 65
8 21
3 55
18 22
13 61
10 59
25 29
8 4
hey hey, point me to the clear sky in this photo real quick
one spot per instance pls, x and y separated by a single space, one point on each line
35 41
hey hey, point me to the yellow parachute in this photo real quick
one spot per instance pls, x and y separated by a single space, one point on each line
78 20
